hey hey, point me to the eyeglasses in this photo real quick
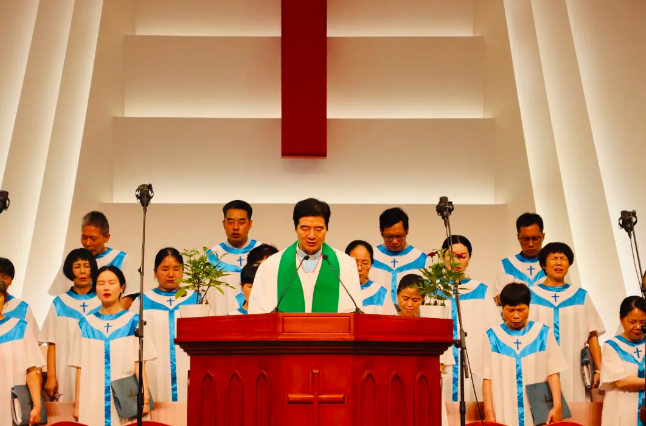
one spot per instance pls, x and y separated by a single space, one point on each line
391 238
363 265
533 239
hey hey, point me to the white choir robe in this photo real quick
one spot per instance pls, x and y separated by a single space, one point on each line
239 311
232 260
19 309
513 359
59 328
106 349
168 374
518 269
18 352
109 257
479 314
264 295
571 315
448 361
375 299
390 266
621 358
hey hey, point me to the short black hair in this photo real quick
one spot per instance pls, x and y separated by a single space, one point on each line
7 268
79 254
4 290
515 294
529 219
237 205
631 303
164 253
116 271
98 220
248 273
552 248
356 243
392 217
312 208
458 239
409 280
257 254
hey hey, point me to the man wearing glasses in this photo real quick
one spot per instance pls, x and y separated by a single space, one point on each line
395 258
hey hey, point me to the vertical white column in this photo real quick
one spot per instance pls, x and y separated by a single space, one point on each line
17 20
55 201
33 130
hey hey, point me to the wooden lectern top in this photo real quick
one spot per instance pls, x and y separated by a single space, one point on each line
314 333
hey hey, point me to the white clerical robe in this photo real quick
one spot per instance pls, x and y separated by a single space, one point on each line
479 313
109 257
232 260
59 328
168 374
390 266
106 349
571 315
19 309
375 299
621 358
518 269
264 295
513 359
239 311
18 352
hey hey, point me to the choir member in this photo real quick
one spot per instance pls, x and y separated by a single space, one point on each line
515 354
312 264
95 234
622 372
167 375
246 283
479 313
260 253
13 306
571 315
20 358
62 321
105 349
395 257
231 255
374 296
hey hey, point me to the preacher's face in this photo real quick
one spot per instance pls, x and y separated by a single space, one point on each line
311 231
531 240
395 237
93 240
237 226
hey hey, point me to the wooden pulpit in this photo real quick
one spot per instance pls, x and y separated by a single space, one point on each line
314 369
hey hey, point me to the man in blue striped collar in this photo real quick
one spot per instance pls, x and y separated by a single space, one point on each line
231 255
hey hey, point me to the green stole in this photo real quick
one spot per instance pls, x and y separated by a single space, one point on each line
326 290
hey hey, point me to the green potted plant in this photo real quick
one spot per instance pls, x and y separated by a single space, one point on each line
200 276
437 282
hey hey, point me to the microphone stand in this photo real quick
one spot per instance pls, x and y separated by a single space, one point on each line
144 194
627 221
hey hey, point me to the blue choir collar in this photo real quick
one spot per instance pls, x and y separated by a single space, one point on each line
104 254
110 317
387 252
74 295
523 331
556 289
521 258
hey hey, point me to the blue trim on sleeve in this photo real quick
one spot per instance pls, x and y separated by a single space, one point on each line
376 299
16 333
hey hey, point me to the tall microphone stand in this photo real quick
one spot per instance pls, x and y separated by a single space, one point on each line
627 221
444 209
144 194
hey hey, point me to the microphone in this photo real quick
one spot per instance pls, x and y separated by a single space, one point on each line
444 208
4 201
628 220
144 194
275 310
357 310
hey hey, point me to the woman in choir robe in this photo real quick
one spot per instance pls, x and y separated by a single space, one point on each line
20 358
374 296
247 276
410 299
14 307
622 371
62 321
479 314
168 374
105 349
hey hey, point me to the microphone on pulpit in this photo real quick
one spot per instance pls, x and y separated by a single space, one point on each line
357 310
275 311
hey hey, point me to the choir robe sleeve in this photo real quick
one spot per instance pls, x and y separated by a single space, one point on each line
501 279
592 316
485 364
33 324
33 356
260 301
556 362
612 368
76 349
446 358
48 333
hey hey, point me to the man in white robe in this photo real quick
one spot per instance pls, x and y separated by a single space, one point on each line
395 257
515 354
570 313
231 256
95 234
311 266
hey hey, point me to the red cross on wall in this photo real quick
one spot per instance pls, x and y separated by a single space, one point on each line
304 78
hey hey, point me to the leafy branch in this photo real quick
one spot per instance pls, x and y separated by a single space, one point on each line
438 278
201 275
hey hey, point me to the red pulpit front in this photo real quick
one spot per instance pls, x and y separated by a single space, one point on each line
314 369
